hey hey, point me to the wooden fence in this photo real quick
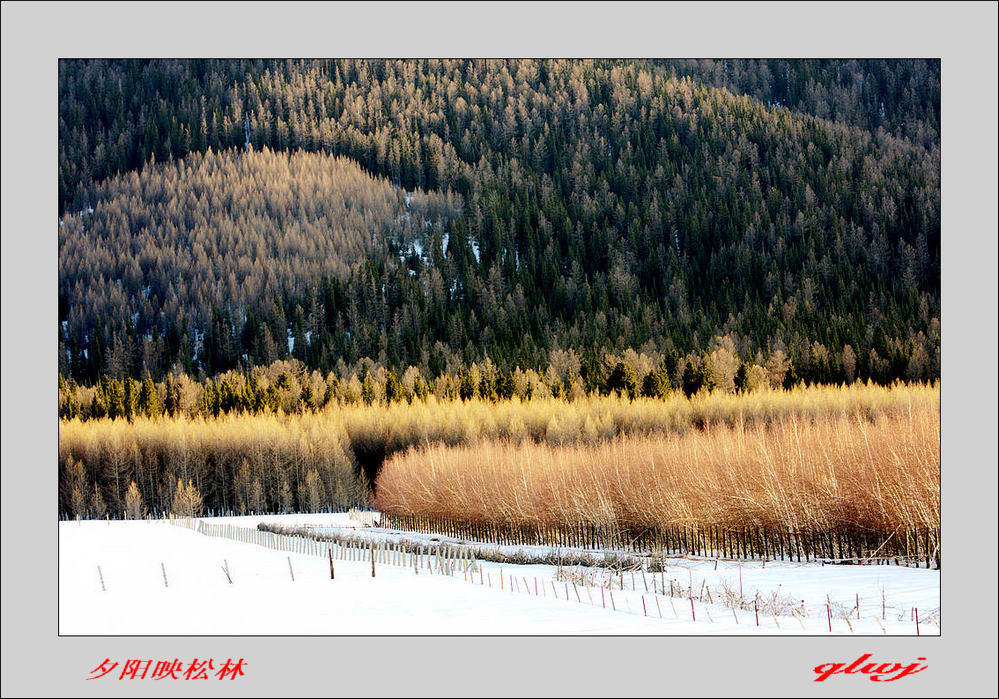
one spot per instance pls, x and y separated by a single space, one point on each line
433 558
919 547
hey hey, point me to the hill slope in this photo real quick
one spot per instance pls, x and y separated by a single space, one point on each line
603 205
211 239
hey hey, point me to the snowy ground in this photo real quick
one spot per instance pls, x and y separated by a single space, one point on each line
263 599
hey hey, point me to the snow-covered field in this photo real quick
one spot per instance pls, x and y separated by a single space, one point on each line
197 597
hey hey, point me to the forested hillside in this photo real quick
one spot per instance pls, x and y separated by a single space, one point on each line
901 97
214 241
431 212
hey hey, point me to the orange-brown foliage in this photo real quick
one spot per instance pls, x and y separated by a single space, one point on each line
808 475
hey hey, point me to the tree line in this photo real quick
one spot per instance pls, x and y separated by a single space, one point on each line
291 387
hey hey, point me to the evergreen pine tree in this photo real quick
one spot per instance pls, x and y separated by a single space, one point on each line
393 387
466 384
622 380
149 399
656 383
741 375
790 377
368 389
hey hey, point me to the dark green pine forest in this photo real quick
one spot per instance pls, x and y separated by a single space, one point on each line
218 215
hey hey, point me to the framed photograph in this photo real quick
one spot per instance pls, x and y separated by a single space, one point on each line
384 346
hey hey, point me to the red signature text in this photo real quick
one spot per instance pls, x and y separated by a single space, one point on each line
876 671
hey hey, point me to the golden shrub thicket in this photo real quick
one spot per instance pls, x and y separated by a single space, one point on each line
799 473
850 472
